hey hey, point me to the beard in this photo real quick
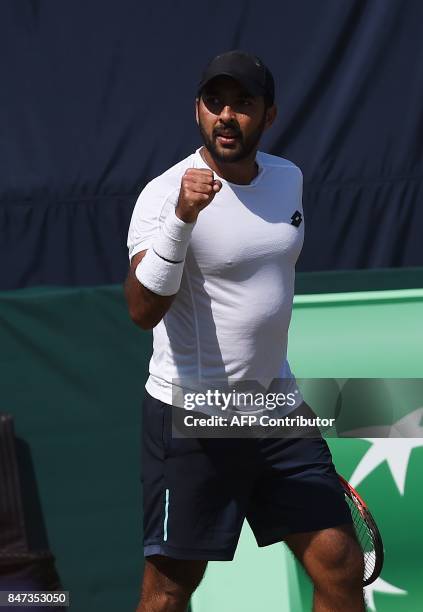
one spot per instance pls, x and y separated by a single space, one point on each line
244 145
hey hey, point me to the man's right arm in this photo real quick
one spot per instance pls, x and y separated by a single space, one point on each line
146 307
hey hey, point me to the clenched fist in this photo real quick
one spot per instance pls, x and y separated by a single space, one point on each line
198 188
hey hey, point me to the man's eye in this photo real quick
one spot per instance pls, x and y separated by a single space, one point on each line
213 100
246 102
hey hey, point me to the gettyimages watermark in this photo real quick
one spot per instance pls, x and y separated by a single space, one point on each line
279 408
238 400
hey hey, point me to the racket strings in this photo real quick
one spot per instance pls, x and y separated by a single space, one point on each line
365 538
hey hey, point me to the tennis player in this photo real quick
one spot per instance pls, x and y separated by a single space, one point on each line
213 244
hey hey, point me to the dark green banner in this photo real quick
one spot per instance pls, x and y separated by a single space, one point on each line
73 367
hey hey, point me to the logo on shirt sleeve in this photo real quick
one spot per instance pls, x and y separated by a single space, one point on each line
296 218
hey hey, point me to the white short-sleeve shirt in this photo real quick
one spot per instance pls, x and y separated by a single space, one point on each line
230 318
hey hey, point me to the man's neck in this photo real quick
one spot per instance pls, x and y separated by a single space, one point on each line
241 173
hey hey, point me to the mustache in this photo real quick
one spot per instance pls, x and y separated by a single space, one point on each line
225 129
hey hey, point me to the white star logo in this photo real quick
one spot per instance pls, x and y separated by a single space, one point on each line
380 586
395 448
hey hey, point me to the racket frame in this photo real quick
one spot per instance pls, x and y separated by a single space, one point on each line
367 517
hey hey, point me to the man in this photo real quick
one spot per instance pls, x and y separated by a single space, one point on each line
213 244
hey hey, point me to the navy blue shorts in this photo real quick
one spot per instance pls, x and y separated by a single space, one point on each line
198 491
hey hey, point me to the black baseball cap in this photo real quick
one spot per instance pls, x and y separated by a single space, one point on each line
245 68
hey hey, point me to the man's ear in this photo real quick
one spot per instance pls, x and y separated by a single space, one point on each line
271 113
197 102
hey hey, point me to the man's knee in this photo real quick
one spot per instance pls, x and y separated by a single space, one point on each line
342 562
332 556
170 582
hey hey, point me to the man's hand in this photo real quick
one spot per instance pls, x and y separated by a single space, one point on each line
198 188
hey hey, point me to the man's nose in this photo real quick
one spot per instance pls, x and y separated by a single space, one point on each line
227 113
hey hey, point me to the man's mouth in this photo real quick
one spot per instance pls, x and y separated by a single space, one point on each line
227 137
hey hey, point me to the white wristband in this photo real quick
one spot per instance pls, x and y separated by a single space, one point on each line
161 268
173 238
160 276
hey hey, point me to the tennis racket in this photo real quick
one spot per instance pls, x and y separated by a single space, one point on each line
367 531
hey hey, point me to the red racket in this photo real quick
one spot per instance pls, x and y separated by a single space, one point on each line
367 531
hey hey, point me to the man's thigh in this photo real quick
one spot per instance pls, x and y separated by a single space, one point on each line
195 491
298 490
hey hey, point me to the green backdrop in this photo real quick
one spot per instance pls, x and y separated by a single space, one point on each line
72 373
